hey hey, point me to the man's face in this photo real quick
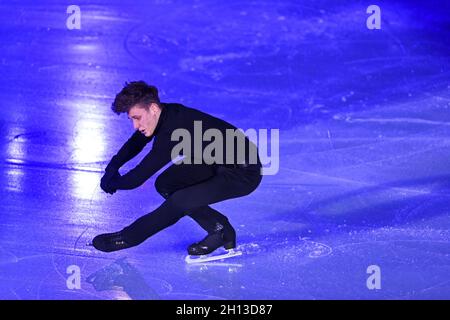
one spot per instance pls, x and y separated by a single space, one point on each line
145 120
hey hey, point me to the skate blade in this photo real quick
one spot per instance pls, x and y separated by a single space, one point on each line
206 258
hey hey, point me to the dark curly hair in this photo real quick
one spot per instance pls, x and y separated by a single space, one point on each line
135 93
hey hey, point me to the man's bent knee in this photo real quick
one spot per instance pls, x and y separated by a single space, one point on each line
161 187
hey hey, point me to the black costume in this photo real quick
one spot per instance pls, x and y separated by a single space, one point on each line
188 188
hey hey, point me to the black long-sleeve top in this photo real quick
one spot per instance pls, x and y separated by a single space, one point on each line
176 116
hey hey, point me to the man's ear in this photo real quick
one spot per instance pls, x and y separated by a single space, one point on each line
154 108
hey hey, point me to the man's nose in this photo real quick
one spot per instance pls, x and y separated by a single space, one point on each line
136 125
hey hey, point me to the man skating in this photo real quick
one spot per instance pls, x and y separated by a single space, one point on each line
217 169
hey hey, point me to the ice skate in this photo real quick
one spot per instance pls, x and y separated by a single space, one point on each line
109 242
222 235
207 249
219 254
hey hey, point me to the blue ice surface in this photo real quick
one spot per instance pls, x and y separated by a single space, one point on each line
364 120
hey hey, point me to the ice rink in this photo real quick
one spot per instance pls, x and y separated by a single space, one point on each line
363 177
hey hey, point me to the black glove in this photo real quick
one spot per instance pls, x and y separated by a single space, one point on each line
105 182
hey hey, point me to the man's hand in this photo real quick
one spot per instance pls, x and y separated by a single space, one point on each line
105 182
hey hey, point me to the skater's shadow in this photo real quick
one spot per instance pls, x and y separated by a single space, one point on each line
385 205
122 276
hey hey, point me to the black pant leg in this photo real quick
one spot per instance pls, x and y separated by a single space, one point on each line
180 176
226 184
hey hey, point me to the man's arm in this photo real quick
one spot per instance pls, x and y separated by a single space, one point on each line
156 159
129 150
